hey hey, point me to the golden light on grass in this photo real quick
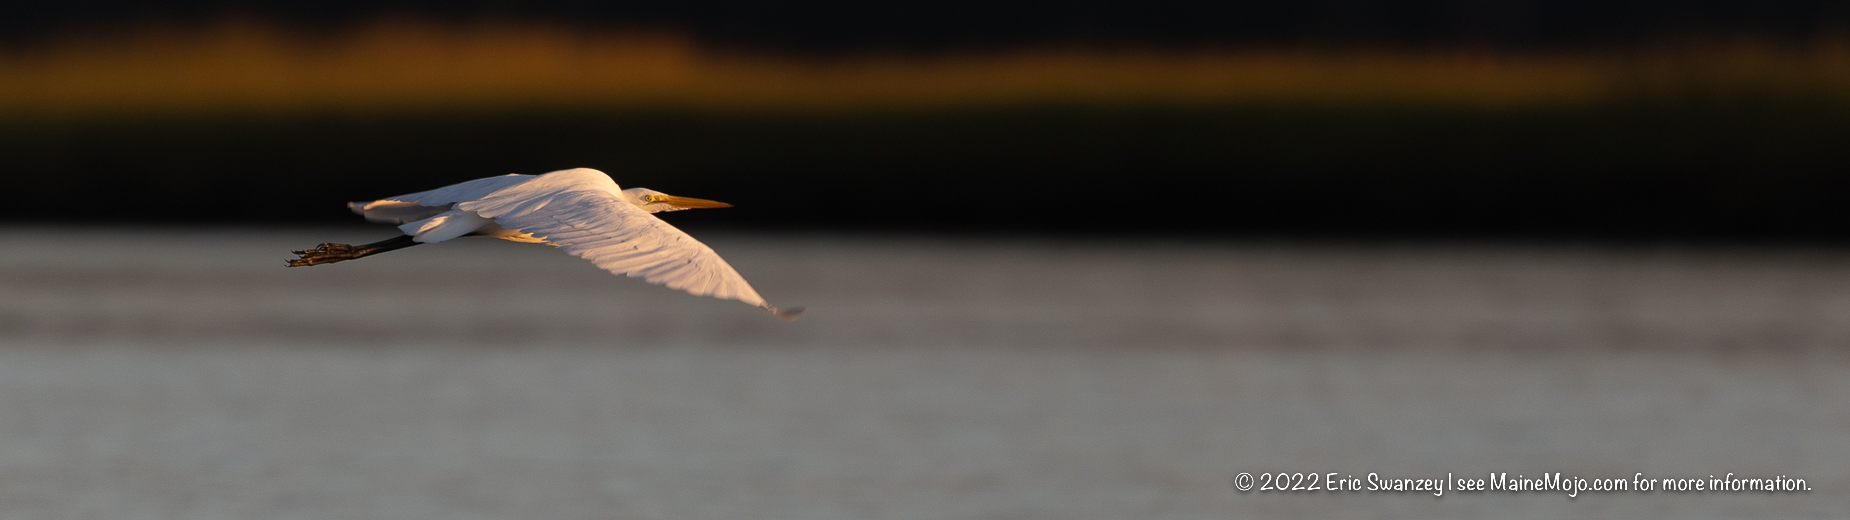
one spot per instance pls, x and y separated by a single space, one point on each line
242 67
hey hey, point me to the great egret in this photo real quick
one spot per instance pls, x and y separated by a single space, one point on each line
580 211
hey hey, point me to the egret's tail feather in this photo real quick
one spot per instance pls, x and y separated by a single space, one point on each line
789 315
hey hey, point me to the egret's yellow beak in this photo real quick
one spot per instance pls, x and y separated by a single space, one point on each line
688 202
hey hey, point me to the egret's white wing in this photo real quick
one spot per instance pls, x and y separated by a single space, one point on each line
412 207
579 211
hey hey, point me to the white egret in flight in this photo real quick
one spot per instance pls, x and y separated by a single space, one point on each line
580 211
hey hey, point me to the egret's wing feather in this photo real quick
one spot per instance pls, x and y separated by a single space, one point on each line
412 207
463 191
579 211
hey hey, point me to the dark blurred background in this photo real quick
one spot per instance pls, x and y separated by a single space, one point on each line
833 26
1062 260
1690 121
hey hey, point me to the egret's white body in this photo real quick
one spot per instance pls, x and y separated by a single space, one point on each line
582 212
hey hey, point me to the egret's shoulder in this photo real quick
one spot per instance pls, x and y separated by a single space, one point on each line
577 177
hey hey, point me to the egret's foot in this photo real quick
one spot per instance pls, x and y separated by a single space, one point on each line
329 253
326 254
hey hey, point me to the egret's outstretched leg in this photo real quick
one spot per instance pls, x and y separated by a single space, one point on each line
330 253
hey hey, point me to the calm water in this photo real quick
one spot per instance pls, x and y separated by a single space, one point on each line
175 374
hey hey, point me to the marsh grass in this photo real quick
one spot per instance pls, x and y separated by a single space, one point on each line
398 65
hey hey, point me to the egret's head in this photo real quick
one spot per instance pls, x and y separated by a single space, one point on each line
655 202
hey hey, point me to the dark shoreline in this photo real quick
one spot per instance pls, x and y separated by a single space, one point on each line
1731 169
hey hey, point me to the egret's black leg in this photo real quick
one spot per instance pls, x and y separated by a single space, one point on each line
330 253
